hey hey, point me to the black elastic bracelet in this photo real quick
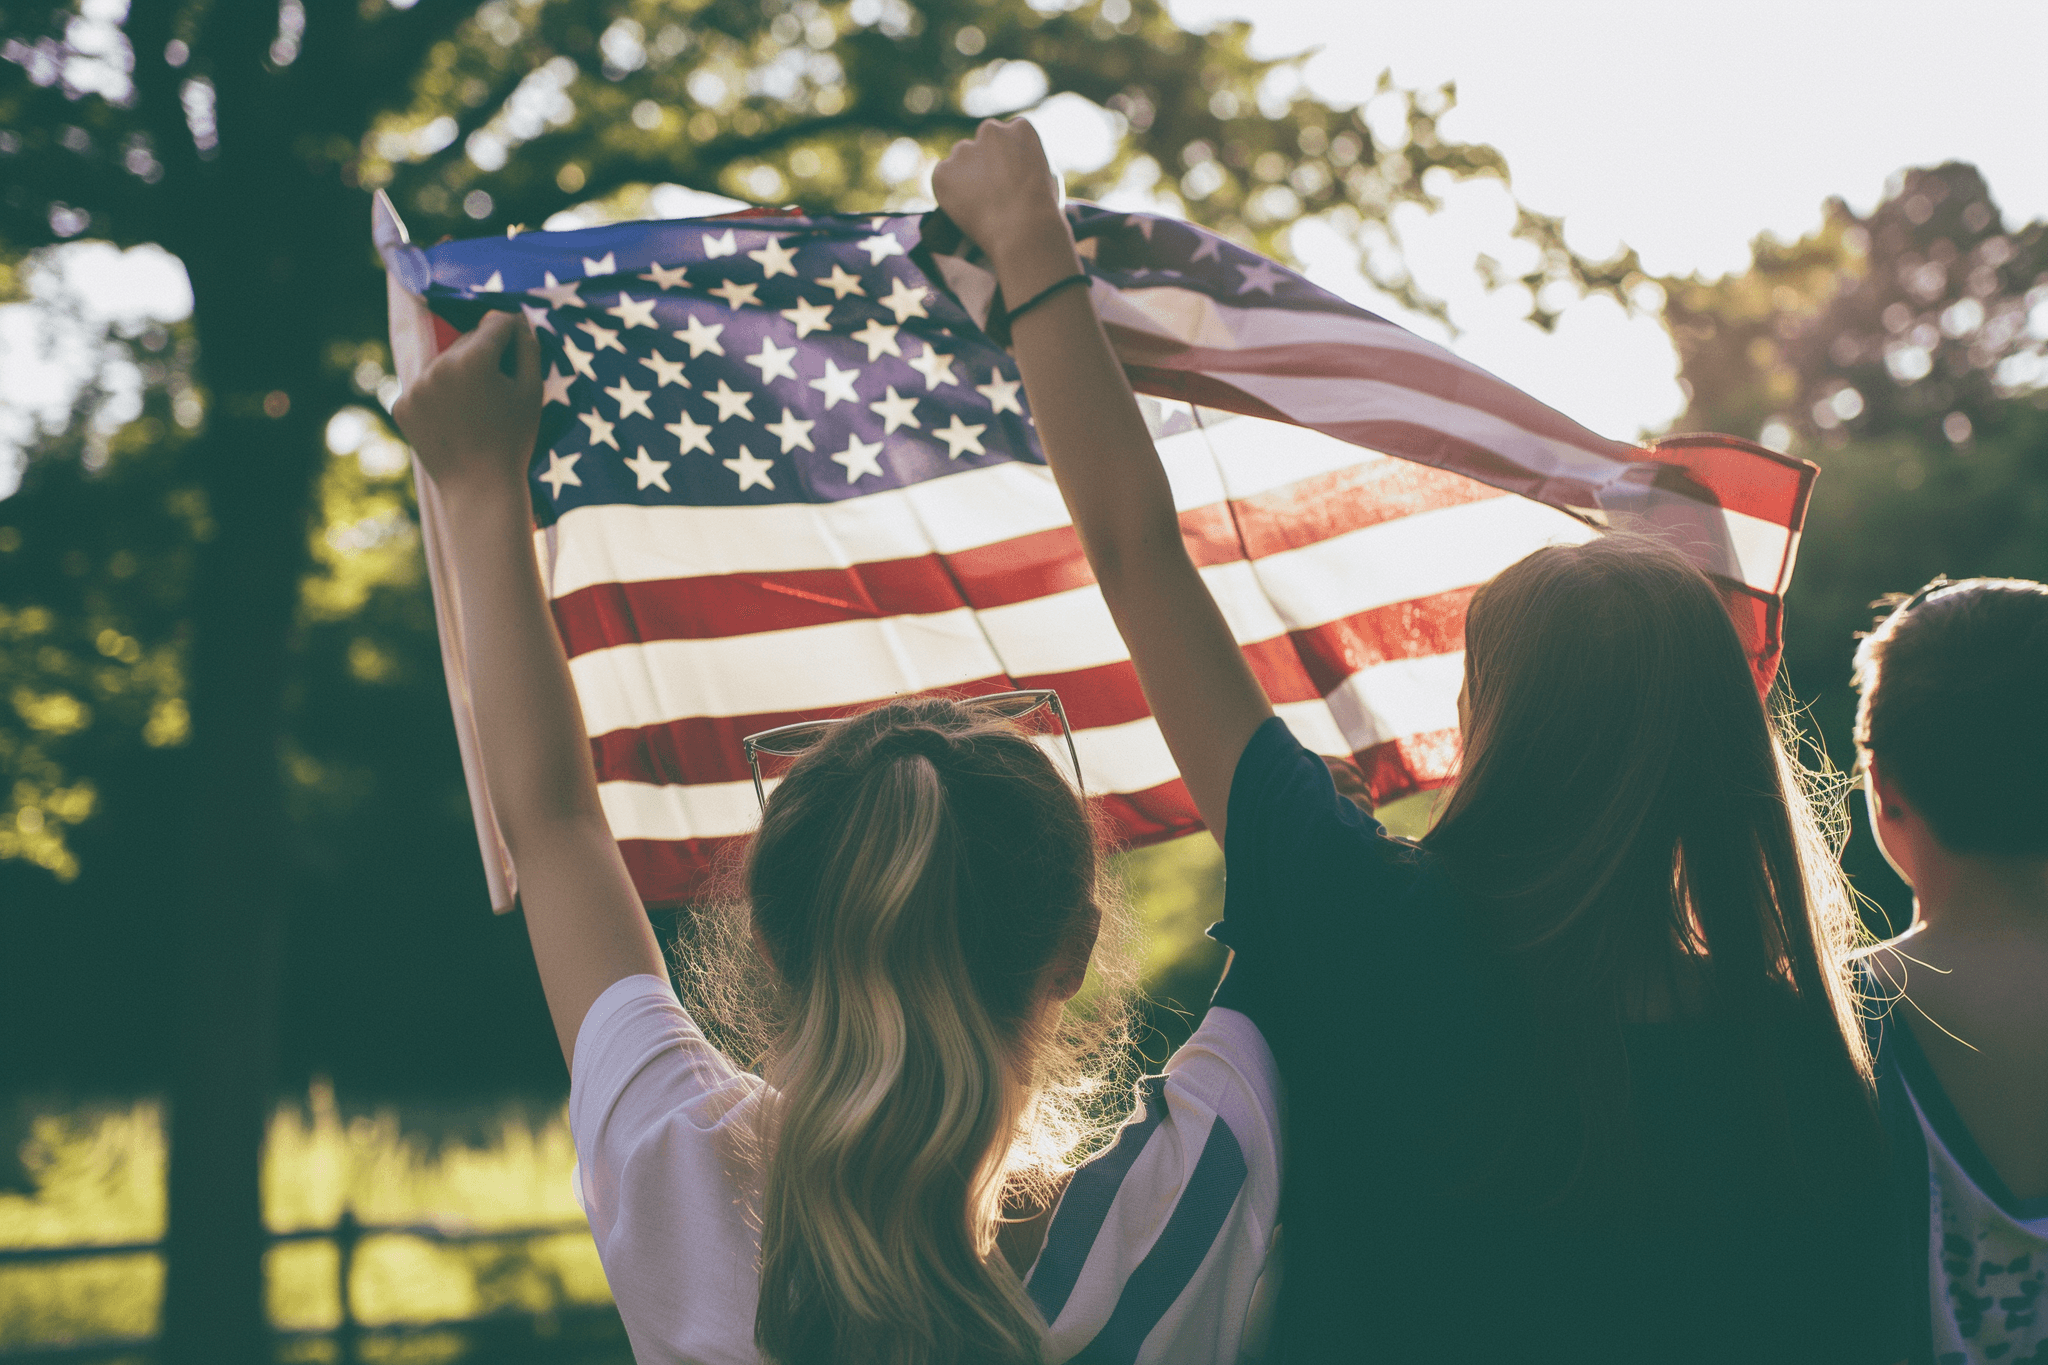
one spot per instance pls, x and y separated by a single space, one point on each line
1042 295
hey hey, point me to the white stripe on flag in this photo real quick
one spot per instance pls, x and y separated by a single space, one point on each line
839 663
844 663
1115 759
1411 557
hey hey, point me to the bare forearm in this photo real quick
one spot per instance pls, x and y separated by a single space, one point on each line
582 913
538 768
1094 437
472 417
1090 427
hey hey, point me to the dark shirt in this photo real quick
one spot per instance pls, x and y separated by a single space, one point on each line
1397 1037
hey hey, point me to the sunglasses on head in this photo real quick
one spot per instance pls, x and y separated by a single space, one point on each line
791 741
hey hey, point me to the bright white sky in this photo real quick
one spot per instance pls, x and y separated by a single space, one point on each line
1683 130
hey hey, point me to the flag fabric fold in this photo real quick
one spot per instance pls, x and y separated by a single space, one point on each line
787 470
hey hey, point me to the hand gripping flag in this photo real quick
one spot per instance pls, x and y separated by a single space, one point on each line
786 469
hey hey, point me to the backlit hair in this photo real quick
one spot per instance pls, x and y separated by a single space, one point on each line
1636 829
917 877
1955 708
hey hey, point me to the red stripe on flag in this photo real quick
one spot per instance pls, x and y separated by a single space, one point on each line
669 872
714 606
1412 763
1304 665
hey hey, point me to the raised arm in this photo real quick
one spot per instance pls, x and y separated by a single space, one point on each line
473 427
998 188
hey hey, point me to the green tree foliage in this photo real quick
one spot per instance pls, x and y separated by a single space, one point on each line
1906 352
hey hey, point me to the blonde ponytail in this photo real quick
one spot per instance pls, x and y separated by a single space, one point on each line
913 881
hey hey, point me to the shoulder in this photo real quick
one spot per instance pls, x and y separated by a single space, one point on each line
645 1080
1158 1246
664 1162
1285 807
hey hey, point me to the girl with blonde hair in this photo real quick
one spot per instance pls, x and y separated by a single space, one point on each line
921 904
1576 1078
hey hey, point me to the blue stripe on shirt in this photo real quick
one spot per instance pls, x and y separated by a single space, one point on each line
1182 1247
1084 1207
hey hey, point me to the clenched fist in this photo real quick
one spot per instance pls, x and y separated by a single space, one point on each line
473 415
998 188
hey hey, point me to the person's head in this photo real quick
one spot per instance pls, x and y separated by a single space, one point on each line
1629 815
1952 724
924 886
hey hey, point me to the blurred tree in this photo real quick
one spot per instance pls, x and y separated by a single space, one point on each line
1907 353
243 135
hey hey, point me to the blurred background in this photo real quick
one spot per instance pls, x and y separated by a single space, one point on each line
238 878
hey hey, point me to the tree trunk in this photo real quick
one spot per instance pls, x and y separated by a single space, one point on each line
259 247
258 477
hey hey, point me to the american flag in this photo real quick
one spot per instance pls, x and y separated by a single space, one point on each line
786 469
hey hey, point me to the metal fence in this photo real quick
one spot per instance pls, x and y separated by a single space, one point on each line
591 1327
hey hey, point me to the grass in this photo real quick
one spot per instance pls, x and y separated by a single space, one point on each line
99 1177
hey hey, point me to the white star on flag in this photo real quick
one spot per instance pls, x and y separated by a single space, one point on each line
731 402
557 294
791 431
600 430
555 387
631 401
603 338
937 369
579 359
603 265
647 470
809 317
751 470
494 285
561 469
735 294
1208 249
1142 222
840 283
1260 275
905 301
673 278
666 371
896 411
859 457
961 436
721 245
1001 393
837 385
880 245
775 259
633 312
692 435
702 338
878 337
536 316
772 360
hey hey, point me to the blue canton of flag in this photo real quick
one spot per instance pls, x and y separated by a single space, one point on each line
741 361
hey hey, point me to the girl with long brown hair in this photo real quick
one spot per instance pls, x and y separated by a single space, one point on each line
1576 1078
918 912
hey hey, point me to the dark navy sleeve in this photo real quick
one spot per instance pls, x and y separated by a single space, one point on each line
1297 856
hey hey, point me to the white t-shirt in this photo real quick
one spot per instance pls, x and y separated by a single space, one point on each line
1987 1251
1155 1253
